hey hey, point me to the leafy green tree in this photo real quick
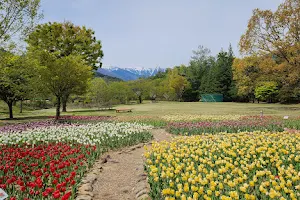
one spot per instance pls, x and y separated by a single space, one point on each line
266 91
65 39
222 80
218 78
246 74
16 73
140 89
17 17
121 92
59 75
99 93
178 83
200 65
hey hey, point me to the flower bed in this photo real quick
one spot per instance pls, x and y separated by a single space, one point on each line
29 125
258 165
150 120
49 162
191 118
196 128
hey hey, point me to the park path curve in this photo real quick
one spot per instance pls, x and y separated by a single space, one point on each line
123 176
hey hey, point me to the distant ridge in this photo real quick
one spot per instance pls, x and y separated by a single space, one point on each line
128 74
107 78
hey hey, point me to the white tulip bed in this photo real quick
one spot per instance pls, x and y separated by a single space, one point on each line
88 134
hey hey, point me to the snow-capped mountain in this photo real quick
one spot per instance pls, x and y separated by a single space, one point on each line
128 74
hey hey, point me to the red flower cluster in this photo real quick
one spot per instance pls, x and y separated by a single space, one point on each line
46 170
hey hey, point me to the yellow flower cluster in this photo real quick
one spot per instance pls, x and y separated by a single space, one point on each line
258 165
174 118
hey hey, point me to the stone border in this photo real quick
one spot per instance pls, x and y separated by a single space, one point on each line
85 191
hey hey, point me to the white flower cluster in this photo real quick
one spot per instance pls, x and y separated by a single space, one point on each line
91 134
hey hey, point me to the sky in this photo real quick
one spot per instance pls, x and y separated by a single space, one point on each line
157 33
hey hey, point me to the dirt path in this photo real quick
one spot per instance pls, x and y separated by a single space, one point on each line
123 174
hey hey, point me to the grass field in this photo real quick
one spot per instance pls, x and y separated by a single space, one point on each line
161 108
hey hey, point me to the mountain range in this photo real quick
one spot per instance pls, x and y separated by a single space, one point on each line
128 74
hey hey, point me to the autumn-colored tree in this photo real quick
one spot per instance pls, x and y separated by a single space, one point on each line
277 35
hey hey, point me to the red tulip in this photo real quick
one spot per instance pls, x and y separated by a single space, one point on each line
55 181
56 194
73 182
45 194
23 188
66 196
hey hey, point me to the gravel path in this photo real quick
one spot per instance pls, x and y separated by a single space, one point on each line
123 175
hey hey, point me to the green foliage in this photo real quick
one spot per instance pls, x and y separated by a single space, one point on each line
177 82
16 73
64 39
17 17
55 75
218 78
266 91
99 93
200 65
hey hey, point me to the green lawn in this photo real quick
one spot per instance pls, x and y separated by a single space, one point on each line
161 108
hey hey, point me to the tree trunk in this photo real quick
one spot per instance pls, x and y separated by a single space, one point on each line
21 106
57 107
10 107
140 99
64 103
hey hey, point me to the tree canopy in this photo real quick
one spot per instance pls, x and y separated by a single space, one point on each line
17 17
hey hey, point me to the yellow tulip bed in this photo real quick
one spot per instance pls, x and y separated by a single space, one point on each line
247 165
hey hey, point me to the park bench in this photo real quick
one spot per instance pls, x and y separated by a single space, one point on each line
124 110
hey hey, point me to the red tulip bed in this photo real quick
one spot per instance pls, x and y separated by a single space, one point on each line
49 162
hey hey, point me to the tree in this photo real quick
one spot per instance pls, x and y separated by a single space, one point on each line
99 93
121 92
266 91
223 74
17 17
178 83
15 76
59 75
218 78
246 73
277 35
139 87
200 65
65 39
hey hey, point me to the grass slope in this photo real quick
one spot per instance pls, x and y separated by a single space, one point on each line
161 108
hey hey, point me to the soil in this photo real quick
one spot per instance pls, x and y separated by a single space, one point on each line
123 171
